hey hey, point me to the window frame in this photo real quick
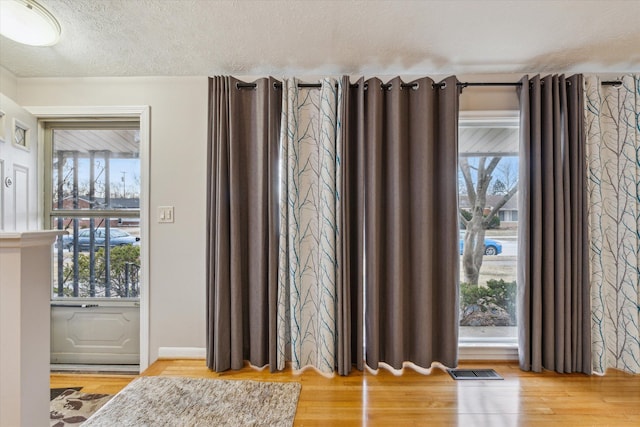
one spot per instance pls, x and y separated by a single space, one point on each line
493 348
50 212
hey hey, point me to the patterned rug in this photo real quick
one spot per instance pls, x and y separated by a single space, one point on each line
72 407
168 401
55 392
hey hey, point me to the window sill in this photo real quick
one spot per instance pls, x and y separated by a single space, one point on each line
478 350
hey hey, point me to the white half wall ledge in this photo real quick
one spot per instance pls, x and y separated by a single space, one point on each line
26 239
182 353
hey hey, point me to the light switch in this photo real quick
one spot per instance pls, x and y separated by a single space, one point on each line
165 214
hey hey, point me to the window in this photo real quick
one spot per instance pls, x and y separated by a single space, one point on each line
20 134
92 191
488 184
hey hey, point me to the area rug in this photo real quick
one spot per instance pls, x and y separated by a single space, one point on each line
72 407
55 392
170 401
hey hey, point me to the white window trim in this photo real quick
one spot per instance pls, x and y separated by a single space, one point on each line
142 113
489 118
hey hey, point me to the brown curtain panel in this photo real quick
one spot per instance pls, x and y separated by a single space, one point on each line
399 195
406 167
242 223
350 283
553 300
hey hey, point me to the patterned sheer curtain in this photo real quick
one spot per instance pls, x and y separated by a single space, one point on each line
310 233
612 115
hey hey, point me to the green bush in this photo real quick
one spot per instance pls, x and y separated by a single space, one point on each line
497 293
466 215
494 223
120 256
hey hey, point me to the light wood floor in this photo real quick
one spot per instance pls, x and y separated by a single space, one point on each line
414 399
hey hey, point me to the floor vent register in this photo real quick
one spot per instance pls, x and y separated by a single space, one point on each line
474 374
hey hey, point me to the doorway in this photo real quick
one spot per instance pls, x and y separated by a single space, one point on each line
95 189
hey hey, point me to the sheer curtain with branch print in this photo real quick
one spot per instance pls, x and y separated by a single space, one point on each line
612 115
310 235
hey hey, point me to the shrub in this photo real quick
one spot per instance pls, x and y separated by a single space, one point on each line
494 223
490 301
121 258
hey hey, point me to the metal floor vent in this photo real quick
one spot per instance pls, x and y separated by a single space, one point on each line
474 374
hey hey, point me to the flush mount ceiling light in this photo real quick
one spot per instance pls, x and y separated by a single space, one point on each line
27 22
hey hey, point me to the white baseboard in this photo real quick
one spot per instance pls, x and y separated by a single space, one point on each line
182 353
95 369
467 352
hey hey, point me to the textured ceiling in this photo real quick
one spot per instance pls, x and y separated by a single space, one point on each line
207 37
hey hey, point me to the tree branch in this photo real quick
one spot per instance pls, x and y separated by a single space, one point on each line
466 174
502 202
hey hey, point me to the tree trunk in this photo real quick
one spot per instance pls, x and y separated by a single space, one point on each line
473 252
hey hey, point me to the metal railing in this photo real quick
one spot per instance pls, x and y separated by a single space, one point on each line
103 271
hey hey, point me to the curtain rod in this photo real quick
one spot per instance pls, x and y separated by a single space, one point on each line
242 85
469 84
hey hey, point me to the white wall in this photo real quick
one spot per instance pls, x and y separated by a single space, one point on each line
8 83
500 98
178 178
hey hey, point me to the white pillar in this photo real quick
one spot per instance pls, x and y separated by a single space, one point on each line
25 294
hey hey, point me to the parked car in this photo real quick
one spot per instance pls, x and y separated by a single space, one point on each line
491 247
117 237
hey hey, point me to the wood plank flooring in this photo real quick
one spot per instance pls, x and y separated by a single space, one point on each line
413 399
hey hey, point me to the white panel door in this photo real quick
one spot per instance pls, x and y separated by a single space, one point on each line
18 168
93 194
2 191
21 192
100 333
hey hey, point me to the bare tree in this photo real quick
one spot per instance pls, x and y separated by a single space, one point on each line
508 175
476 226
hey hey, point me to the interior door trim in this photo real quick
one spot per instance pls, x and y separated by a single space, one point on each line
142 113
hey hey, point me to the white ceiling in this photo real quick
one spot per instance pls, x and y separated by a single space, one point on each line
286 37
121 143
